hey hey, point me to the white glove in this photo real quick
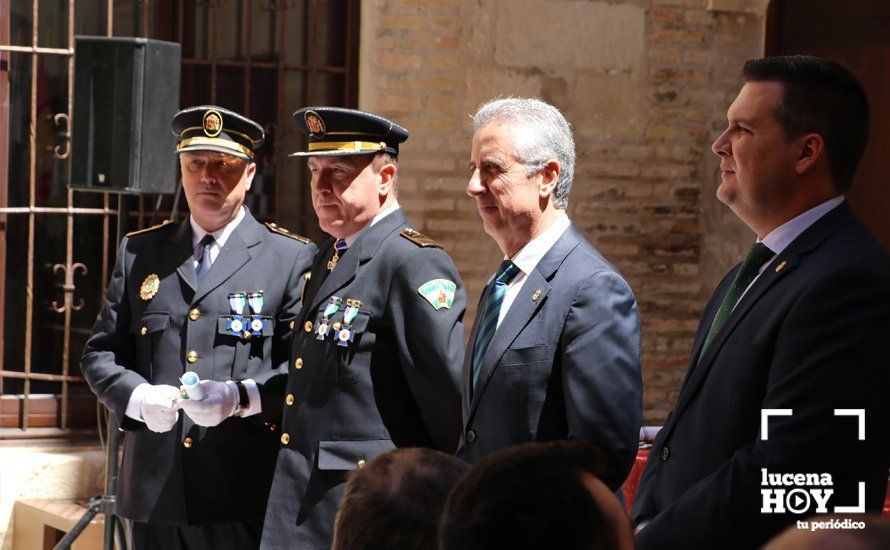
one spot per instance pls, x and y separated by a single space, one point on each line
220 401
159 408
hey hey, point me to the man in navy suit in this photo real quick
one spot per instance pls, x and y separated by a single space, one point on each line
800 327
555 348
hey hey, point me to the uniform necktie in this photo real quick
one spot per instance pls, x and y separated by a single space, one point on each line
202 255
490 312
340 248
756 257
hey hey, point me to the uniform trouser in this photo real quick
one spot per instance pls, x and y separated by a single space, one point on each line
217 536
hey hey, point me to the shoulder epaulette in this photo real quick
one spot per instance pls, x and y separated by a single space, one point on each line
275 228
164 223
419 238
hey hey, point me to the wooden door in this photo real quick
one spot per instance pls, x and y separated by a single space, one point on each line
857 34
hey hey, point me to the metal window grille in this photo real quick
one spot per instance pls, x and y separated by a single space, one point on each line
263 58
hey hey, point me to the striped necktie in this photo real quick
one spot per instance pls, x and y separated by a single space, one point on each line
748 271
202 256
490 312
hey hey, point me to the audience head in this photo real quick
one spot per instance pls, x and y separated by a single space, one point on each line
536 495
395 501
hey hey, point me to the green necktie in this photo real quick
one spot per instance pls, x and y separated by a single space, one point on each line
756 257
490 313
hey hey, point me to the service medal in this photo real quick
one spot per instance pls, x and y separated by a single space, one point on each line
149 287
351 311
256 325
237 301
322 330
255 300
344 337
236 325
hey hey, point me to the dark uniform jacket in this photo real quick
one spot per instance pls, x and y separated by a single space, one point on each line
395 384
193 475
809 335
564 363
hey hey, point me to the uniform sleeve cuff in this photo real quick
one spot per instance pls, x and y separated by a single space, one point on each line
253 394
134 405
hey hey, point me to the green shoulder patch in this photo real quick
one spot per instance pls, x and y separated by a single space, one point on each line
438 292
419 238
275 228
164 223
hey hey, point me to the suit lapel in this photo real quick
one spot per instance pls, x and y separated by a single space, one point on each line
789 259
339 277
318 273
522 310
468 356
182 255
360 252
517 317
233 256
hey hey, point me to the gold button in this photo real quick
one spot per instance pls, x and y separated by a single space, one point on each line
192 356
292 325
187 442
298 364
285 439
336 326
289 399
143 331
360 463
308 326
195 314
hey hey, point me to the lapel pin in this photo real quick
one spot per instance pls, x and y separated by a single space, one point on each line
780 266
536 295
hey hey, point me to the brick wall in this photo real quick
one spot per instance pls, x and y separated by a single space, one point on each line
645 84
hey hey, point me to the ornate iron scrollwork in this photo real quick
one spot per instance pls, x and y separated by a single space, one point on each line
59 119
68 287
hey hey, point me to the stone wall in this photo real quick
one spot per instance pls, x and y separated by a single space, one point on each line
63 472
645 84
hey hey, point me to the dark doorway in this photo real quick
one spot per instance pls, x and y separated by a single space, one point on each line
857 34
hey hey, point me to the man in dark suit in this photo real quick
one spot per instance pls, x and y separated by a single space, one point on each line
375 356
214 294
790 339
555 348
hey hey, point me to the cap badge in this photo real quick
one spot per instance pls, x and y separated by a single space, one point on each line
149 287
212 123
314 123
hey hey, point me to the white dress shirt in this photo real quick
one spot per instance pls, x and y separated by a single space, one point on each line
350 240
779 238
220 236
527 259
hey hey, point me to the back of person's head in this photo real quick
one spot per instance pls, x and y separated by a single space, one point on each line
395 501
536 495
822 97
835 532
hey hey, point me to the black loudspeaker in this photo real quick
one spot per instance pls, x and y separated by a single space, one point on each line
126 91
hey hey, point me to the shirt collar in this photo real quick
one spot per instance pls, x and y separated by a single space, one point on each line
220 235
350 240
527 258
779 238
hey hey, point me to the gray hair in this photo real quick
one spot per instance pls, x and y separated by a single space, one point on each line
540 133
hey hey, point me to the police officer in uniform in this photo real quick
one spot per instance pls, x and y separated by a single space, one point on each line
214 294
376 354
